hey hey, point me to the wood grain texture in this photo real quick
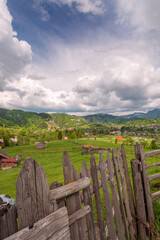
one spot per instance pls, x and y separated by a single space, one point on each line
32 194
126 200
8 222
70 200
129 187
139 198
107 200
120 196
55 226
119 222
140 155
87 198
69 189
97 198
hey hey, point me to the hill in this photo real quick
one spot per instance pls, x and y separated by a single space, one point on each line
108 118
19 118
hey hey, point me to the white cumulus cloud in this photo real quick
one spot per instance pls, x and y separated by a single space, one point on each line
15 55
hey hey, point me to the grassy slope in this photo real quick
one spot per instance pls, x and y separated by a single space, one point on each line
51 161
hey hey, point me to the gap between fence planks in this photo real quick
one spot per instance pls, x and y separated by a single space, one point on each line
129 187
119 223
54 227
126 201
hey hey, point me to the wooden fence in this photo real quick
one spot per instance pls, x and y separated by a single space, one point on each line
104 188
143 196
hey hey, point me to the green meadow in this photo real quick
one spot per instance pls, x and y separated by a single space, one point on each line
51 161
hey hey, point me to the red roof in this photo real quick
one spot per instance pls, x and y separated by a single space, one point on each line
9 160
119 138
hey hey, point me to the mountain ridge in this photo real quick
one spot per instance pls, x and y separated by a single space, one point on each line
22 118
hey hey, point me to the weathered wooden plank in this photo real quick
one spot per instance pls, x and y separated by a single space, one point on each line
70 200
8 221
120 196
156 194
87 197
140 155
139 199
126 200
79 214
55 226
69 189
60 202
119 223
78 206
153 164
152 153
129 187
108 206
97 198
154 177
32 191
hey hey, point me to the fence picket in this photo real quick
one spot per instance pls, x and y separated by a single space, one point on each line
139 198
32 191
70 200
88 201
97 198
126 201
119 222
108 206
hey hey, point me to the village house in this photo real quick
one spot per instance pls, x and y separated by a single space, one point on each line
41 145
14 139
1 142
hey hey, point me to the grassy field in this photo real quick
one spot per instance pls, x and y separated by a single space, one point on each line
51 160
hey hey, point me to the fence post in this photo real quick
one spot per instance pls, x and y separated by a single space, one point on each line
139 198
120 196
97 198
140 155
107 200
120 226
126 201
32 194
8 221
88 201
71 201
129 186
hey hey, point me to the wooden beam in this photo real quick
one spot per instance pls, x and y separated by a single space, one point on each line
154 177
152 153
156 194
79 214
153 164
69 189
54 226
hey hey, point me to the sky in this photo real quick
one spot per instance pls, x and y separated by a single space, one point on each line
80 56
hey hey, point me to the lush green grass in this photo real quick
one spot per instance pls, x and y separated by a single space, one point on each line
51 160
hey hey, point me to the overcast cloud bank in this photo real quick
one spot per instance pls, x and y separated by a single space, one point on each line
105 71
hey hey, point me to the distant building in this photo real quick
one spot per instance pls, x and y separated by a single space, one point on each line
14 139
3 155
41 145
1 142
119 138
64 137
